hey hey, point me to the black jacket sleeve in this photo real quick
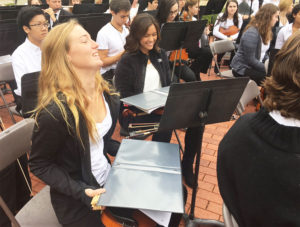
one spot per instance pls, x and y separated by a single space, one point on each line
49 138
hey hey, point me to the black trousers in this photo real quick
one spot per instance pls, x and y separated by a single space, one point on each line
13 188
257 76
202 58
183 72
92 219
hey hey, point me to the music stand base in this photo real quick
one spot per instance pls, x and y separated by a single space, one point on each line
197 222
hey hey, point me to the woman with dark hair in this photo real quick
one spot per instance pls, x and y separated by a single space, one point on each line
258 159
227 26
168 12
289 29
142 68
254 44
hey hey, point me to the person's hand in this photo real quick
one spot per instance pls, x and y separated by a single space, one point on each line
51 13
230 38
245 17
93 192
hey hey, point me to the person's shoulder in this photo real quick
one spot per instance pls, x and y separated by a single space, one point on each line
106 28
65 12
20 50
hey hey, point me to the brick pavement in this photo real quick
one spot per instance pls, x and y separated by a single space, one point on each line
209 202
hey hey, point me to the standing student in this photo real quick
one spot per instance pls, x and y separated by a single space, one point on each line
227 26
254 8
289 29
285 9
254 44
75 117
143 67
112 37
168 12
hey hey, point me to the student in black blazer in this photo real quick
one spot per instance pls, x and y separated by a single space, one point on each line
75 118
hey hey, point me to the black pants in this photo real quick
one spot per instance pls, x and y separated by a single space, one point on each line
13 188
191 140
202 58
183 72
257 76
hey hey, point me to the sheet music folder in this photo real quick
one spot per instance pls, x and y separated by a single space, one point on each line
148 101
145 175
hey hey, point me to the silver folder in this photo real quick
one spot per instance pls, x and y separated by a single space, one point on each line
145 175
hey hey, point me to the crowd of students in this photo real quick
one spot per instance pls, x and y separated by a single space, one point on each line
81 81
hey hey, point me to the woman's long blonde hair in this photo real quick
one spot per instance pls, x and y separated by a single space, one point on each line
58 76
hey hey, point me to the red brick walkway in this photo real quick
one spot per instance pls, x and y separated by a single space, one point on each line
209 202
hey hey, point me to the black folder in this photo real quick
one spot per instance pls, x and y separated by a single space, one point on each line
145 175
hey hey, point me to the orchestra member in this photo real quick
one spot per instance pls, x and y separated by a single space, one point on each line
143 67
227 26
258 159
75 117
248 61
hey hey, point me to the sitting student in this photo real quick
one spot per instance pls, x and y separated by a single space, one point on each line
227 26
54 12
76 116
112 37
201 54
144 67
27 57
248 61
258 159
168 12
289 29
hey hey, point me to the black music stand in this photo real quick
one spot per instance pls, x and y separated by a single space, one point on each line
212 7
202 102
178 35
89 8
91 22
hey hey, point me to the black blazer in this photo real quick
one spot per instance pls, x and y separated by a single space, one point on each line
131 69
62 161
62 13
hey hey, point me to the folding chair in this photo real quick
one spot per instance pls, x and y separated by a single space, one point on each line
38 211
220 47
251 91
229 220
7 75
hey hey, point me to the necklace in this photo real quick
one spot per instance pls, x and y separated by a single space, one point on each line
118 29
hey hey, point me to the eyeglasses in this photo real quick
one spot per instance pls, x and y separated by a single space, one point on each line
40 25
173 12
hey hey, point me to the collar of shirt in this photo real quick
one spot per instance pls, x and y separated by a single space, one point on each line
290 122
32 46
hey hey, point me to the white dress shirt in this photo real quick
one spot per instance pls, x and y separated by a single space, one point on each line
290 122
275 2
283 35
25 59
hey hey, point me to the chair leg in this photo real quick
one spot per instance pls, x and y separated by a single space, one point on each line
7 107
8 213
